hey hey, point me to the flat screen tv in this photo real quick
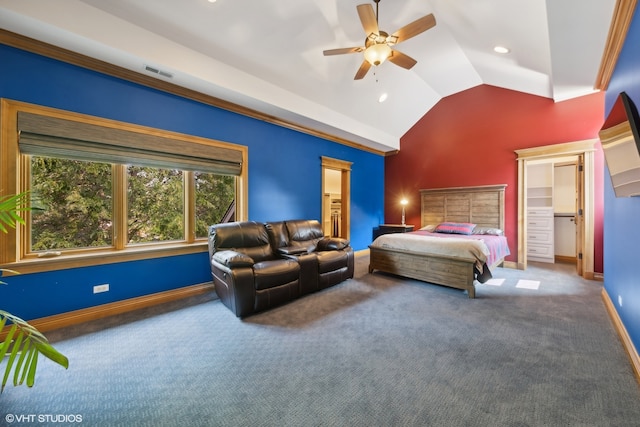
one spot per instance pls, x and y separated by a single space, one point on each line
621 145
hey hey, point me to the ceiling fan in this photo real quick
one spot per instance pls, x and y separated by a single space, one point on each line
377 44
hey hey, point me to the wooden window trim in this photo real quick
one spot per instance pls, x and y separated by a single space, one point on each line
13 180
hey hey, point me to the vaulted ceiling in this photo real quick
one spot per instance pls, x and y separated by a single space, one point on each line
267 54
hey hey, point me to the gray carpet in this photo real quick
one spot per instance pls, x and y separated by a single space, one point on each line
374 351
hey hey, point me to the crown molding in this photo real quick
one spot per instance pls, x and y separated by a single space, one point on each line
48 50
620 22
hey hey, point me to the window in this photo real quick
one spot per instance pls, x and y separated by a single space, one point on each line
214 203
73 204
155 208
108 191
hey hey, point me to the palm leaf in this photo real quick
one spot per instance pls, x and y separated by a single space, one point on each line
12 356
21 348
6 270
32 364
10 206
27 352
23 342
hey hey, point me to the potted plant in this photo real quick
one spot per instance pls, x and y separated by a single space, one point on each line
23 342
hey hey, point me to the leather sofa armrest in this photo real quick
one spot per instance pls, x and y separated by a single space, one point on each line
332 244
235 287
233 259
292 250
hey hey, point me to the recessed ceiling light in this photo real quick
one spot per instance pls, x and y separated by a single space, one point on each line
383 97
501 49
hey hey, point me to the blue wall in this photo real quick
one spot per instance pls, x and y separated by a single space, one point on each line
284 178
622 215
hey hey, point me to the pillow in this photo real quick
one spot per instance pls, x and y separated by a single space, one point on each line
455 228
488 230
429 228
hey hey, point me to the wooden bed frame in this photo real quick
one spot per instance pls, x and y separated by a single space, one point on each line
481 205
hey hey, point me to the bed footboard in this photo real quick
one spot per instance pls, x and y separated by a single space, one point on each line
442 270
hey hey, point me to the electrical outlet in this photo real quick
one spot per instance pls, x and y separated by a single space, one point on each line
101 288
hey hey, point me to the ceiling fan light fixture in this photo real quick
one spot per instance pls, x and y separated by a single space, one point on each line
378 44
376 54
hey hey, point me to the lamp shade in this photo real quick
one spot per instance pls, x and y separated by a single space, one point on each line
376 54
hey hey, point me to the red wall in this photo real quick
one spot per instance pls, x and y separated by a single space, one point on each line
469 139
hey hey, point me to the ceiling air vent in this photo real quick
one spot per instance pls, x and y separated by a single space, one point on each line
155 70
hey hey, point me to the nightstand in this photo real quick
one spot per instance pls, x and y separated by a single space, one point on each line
391 228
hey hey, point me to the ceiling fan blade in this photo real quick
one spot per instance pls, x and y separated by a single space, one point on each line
362 71
343 50
416 27
368 18
402 60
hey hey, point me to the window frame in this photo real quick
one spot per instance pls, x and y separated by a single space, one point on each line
14 178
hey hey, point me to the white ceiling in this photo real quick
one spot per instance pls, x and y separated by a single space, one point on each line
267 54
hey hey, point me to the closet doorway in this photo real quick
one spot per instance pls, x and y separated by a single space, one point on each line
336 187
550 201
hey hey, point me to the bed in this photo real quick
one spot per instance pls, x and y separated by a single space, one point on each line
410 255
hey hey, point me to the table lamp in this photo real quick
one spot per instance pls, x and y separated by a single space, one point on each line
403 202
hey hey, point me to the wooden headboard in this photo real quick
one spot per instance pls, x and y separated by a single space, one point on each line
481 205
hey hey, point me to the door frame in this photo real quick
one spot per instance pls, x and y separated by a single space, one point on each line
577 165
584 150
344 168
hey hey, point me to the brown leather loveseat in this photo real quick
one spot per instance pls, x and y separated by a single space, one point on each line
258 266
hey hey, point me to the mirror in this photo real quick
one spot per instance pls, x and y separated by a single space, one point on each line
621 145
